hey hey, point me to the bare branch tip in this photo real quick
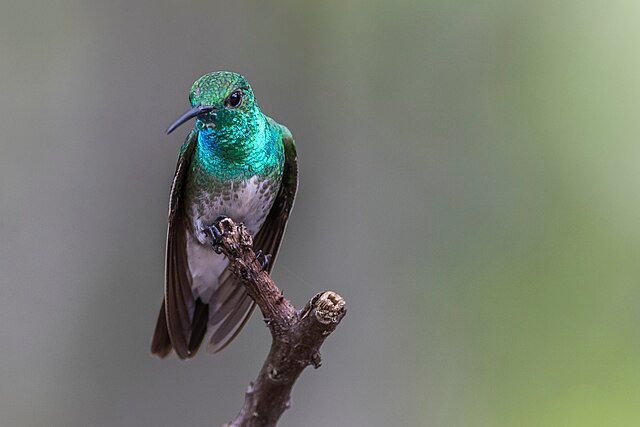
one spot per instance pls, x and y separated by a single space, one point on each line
330 307
234 233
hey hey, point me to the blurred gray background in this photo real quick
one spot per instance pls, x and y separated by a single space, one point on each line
469 183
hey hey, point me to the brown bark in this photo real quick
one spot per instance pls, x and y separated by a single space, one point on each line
296 334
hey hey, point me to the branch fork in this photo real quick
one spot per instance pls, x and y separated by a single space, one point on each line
296 334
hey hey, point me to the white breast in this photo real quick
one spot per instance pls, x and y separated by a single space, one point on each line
247 201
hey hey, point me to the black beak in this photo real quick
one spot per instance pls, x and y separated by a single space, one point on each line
194 112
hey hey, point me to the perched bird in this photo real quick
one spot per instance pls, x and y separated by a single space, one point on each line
236 163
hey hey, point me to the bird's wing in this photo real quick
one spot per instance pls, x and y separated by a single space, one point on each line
178 305
231 316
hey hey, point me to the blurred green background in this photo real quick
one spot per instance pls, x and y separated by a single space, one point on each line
469 183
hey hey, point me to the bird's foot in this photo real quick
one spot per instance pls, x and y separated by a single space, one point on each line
263 259
216 235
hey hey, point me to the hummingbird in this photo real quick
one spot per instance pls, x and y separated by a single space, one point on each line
238 163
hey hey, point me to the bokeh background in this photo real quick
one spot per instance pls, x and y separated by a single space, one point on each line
469 183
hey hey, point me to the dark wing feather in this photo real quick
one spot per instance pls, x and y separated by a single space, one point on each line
161 343
238 306
178 297
198 325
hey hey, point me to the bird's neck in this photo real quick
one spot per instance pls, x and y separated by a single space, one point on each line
238 150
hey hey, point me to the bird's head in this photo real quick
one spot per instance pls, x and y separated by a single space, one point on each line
221 101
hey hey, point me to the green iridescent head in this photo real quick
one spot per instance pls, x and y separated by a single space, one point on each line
220 100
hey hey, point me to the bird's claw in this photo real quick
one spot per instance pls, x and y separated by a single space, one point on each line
263 259
216 238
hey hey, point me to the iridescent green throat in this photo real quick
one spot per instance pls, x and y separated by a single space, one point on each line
239 147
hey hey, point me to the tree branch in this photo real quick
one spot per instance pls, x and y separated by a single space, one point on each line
296 335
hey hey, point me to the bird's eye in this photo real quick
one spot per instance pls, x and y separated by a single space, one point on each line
235 99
